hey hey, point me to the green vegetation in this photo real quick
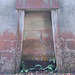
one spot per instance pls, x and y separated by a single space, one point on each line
50 68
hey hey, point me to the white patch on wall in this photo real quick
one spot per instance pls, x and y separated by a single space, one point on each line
46 1
50 2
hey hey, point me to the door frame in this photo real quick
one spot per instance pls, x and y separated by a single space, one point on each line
56 41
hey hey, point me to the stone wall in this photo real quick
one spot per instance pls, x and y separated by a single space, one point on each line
8 34
66 19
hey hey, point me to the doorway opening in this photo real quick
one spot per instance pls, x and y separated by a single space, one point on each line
38 47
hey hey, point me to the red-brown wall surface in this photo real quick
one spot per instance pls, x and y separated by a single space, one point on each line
37 4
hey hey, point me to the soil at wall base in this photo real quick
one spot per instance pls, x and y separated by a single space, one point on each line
32 63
